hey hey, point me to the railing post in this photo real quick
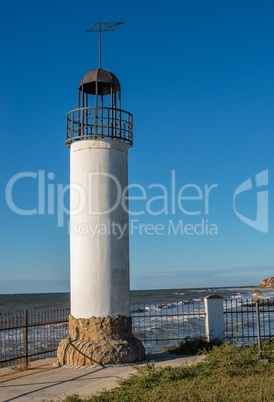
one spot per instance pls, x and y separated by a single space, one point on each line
214 317
25 336
95 121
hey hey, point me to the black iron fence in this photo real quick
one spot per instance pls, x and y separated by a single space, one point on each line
34 334
31 334
162 325
240 320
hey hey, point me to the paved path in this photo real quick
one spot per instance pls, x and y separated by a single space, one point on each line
45 382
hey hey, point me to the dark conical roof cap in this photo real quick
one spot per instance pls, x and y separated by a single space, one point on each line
106 81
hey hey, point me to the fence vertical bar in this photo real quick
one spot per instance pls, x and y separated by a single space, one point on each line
268 316
259 330
25 336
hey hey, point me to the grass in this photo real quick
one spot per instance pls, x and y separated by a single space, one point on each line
229 373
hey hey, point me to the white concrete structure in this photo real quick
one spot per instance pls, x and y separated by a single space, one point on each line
99 134
99 246
214 317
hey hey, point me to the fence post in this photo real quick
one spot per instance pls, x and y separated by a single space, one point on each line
214 317
25 336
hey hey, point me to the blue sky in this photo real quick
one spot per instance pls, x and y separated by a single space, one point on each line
199 79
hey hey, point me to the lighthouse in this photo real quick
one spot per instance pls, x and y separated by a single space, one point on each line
99 134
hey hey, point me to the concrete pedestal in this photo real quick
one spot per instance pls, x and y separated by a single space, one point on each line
101 340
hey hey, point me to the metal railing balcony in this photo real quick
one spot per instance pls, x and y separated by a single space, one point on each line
91 123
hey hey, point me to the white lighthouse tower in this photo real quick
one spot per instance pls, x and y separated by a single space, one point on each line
99 134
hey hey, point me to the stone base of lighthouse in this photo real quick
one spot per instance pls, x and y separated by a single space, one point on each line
100 340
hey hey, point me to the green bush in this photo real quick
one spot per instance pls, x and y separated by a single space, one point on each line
194 346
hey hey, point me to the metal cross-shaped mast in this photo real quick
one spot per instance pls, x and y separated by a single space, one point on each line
103 27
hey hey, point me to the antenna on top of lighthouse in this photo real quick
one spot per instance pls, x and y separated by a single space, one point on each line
100 27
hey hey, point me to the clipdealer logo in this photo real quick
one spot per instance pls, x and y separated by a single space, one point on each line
260 223
189 201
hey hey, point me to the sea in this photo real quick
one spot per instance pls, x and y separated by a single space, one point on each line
159 317
16 302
